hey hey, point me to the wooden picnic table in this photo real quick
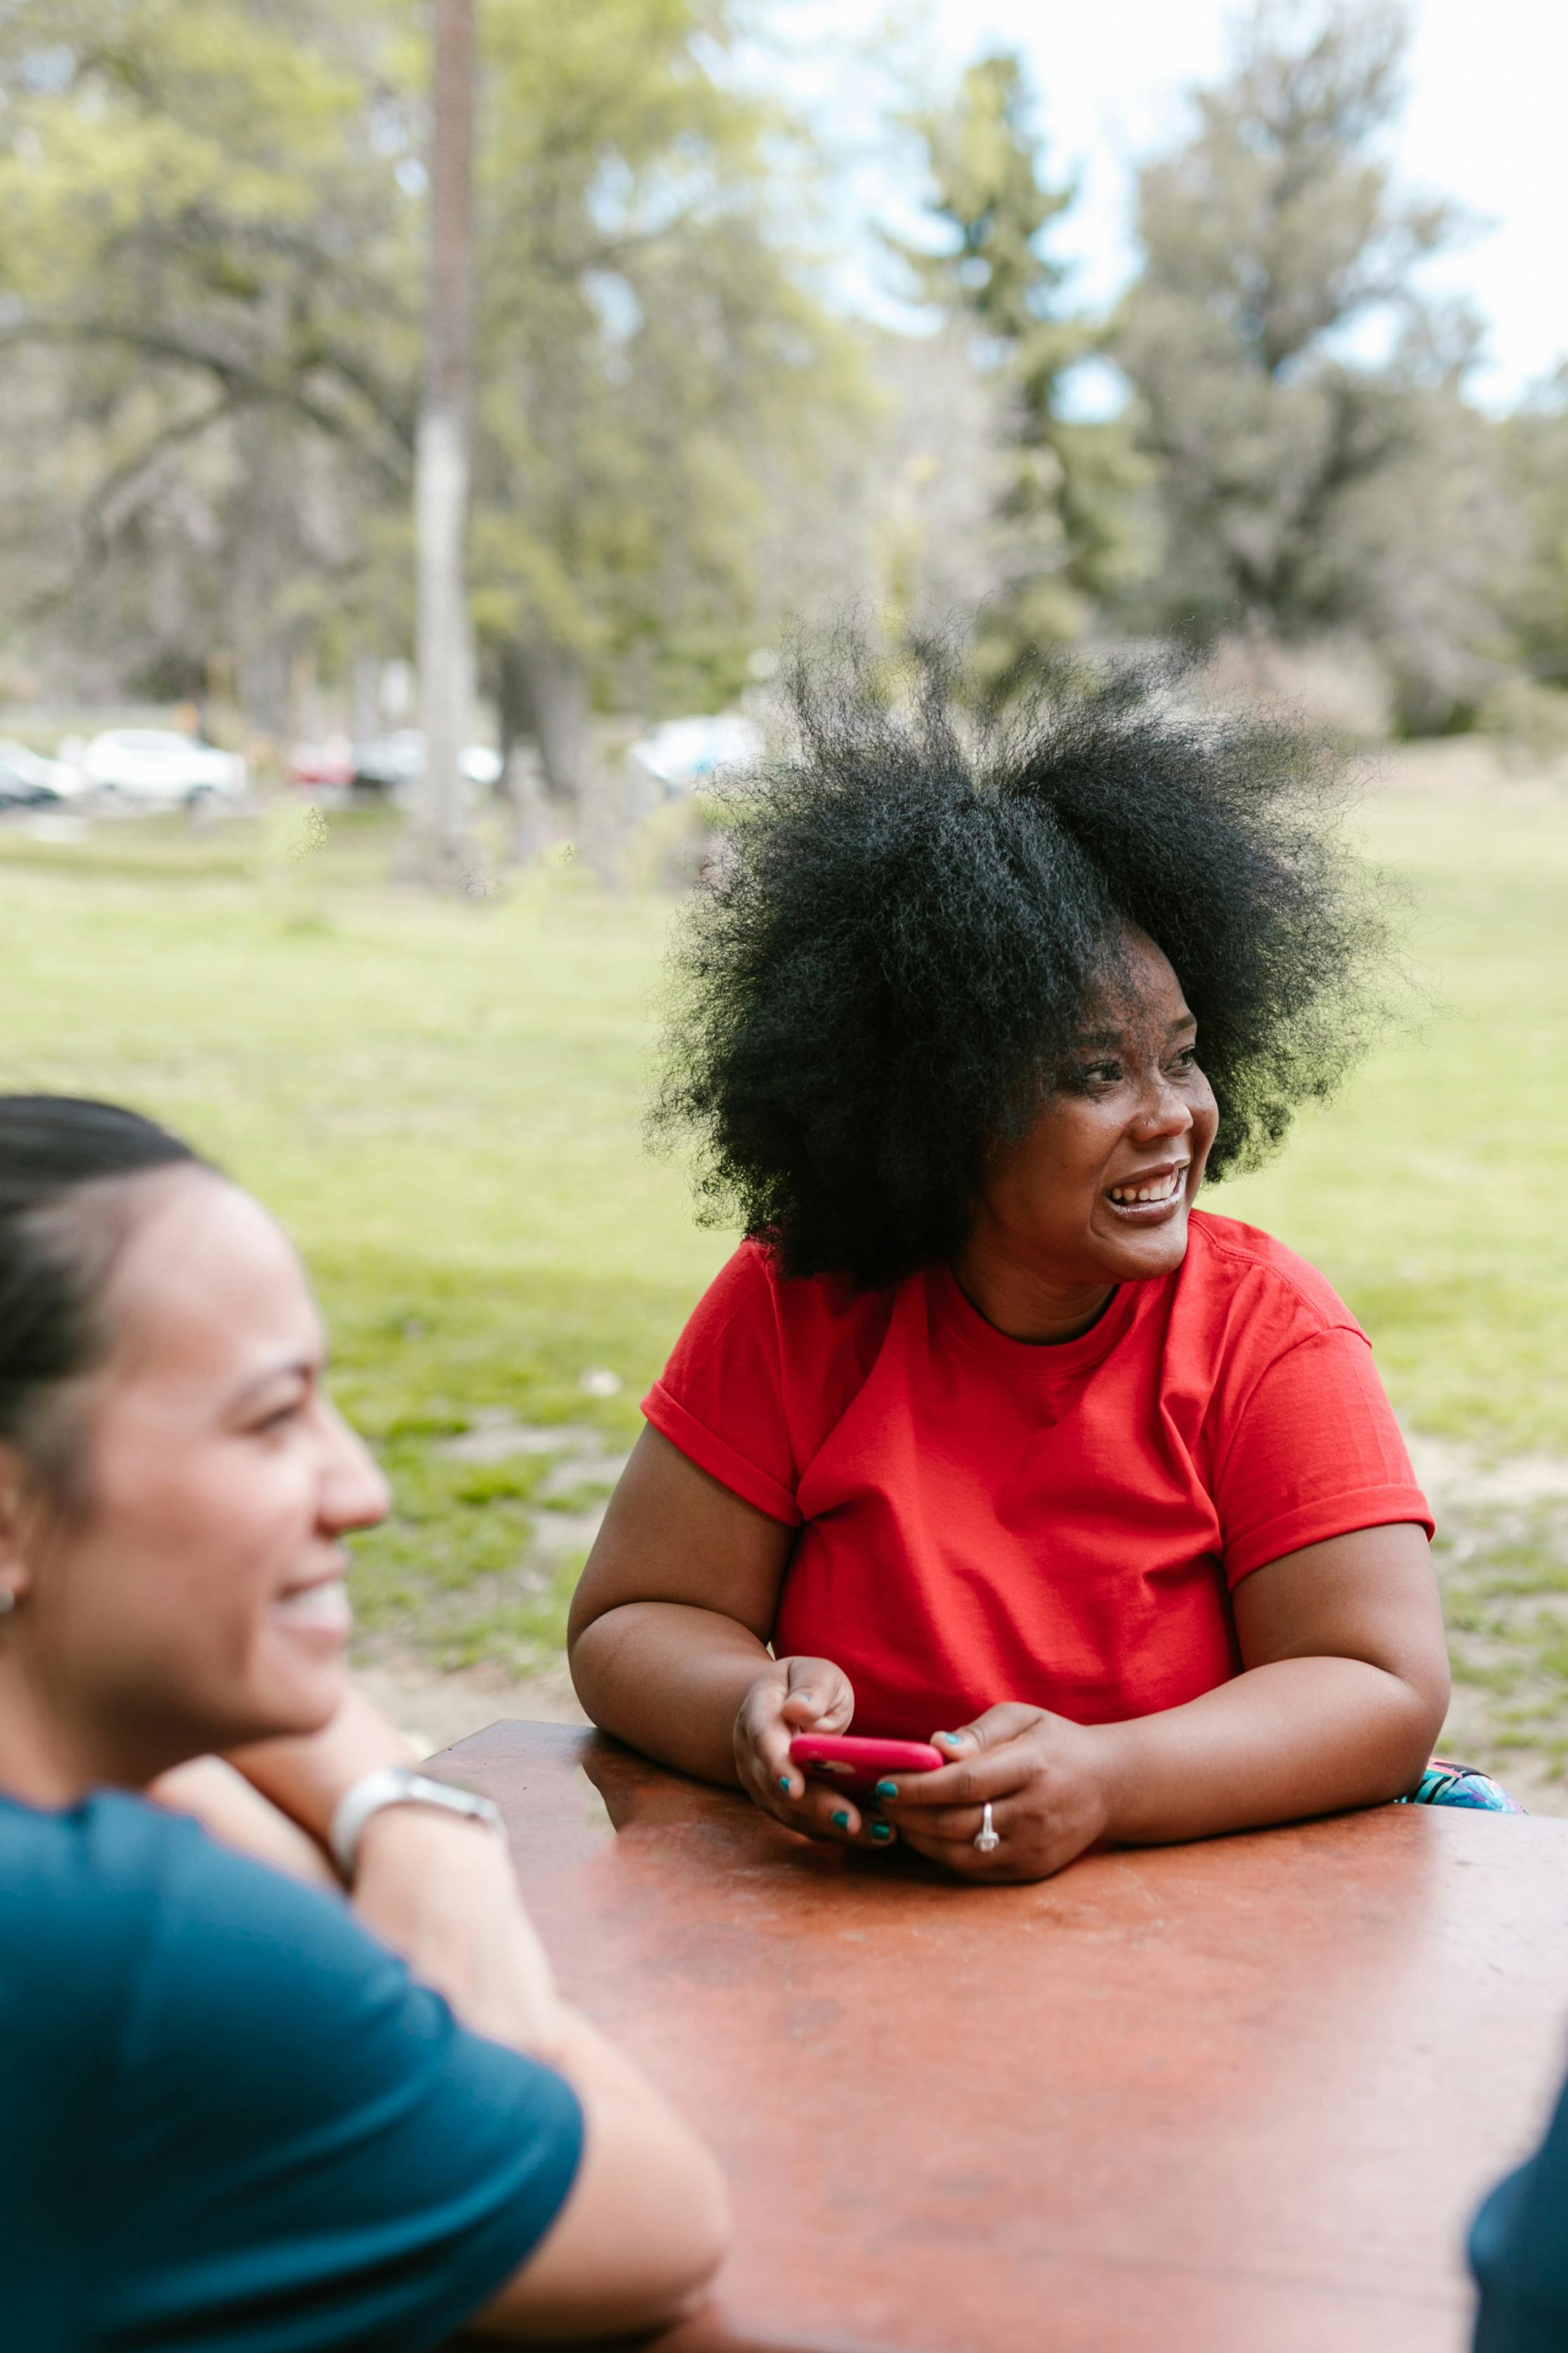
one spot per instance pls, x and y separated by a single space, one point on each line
1233 2097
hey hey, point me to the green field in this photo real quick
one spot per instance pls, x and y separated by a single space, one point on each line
1430 1192
443 1102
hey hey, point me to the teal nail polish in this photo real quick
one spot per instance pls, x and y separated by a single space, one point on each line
887 1788
840 1821
881 1830
783 1783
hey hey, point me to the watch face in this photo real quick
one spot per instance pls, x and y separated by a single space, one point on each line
399 1785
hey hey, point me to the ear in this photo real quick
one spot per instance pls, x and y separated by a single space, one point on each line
17 1510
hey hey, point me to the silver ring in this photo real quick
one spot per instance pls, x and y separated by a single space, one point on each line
987 1838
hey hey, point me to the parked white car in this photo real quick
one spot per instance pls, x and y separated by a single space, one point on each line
45 777
390 763
682 753
155 765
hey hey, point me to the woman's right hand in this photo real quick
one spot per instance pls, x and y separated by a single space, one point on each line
795 1695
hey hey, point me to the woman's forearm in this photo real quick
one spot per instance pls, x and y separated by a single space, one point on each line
669 1678
1296 1737
645 2223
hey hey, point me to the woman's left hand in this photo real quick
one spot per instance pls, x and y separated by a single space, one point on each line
1045 1778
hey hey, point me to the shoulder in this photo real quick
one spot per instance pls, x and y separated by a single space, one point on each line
766 1367
140 1933
88 1880
139 1942
134 1921
1237 1273
107 1842
271 1999
234 1939
260 2010
815 1315
274 2099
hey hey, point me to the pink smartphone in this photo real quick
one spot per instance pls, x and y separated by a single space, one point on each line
858 1765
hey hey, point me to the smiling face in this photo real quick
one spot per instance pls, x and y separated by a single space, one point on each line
1097 1191
193 1598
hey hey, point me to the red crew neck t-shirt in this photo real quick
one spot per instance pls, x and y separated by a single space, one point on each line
983 1518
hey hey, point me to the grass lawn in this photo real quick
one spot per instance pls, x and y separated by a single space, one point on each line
443 1104
1430 1192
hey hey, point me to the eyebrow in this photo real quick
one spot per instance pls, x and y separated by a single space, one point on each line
304 1367
1115 1037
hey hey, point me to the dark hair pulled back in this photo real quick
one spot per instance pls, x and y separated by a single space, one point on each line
55 1151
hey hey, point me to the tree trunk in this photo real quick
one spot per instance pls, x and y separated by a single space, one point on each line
605 821
528 818
364 708
440 849
552 690
529 826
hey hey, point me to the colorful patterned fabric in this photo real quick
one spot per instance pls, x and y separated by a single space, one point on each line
1446 1784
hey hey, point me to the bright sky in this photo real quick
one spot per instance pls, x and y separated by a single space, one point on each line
1486 122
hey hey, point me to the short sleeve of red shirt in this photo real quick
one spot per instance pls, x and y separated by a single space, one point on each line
1314 1453
720 1398
761 1372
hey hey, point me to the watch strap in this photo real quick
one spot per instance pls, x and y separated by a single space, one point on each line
399 1785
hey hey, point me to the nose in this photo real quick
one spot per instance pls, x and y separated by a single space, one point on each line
1163 1109
354 1492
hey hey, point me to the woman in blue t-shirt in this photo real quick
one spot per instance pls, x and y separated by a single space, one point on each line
236 2111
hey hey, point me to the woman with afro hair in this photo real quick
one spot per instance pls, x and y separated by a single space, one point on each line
987 1434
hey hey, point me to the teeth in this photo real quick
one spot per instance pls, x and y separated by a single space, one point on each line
322 1608
1164 1189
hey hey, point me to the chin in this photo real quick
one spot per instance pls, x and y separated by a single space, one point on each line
291 1707
1140 1257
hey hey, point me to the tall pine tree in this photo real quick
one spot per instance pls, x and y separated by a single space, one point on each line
1063 519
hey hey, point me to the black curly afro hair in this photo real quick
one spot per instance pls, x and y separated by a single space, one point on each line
910 910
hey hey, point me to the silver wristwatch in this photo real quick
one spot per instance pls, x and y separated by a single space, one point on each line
399 1785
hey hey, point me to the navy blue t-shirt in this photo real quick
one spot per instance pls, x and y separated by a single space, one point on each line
231 2122
1519 2252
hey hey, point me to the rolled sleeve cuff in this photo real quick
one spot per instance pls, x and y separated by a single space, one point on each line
710 1453
1316 1523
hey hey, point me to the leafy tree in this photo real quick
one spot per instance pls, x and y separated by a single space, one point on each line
212 273
652 366
203 253
1062 540
1535 443
1303 488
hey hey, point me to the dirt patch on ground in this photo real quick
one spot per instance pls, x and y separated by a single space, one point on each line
435 1710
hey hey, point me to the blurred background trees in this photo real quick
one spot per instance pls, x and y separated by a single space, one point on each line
1535 600
1063 538
211 263
212 239
656 376
1305 484
211 299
